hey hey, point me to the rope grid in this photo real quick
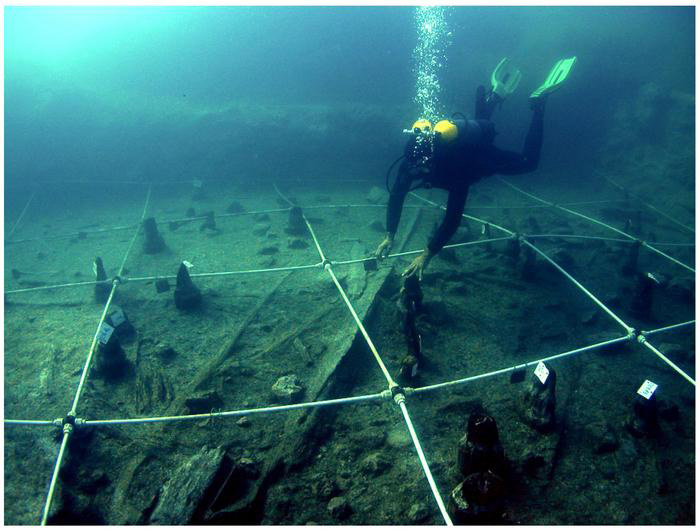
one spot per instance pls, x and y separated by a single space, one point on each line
394 391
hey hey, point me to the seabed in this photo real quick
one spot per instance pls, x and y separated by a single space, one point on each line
343 463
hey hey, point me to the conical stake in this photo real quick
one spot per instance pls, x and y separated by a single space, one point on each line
101 289
187 296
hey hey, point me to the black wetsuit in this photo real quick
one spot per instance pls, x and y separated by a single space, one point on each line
457 166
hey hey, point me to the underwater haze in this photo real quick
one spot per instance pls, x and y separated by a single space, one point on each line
246 283
166 93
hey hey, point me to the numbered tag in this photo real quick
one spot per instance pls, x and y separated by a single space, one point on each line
647 389
94 268
117 318
414 370
187 264
542 372
105 333
483 230
197 183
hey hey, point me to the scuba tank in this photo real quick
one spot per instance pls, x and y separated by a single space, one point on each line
464 133
427 142
475 132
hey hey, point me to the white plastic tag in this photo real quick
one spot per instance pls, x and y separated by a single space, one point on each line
541 372
94 269
647 389
197 183
187 264
105 333
414 370
483 230
117 318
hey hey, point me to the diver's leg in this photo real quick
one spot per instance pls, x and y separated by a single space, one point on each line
485 103
533 140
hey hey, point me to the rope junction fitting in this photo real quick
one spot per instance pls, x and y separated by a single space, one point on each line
385 394
630 331
650 206
327 266
521 238
85 233
601 223
68 426
398 393
546 257
321 264
394 388
581 287
521 366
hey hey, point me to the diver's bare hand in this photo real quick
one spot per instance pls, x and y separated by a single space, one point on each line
384 247
417 266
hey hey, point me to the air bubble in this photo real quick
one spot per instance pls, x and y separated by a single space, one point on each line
429 54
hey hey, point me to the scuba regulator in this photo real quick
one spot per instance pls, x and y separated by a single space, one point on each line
456 133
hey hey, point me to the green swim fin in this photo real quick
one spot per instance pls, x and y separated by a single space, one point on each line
556 77
505 78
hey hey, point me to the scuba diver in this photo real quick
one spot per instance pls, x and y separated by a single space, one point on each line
456 153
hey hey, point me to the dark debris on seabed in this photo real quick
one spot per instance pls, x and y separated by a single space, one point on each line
581 449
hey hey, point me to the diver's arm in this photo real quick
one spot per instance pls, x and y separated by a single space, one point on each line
450 223
510 163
